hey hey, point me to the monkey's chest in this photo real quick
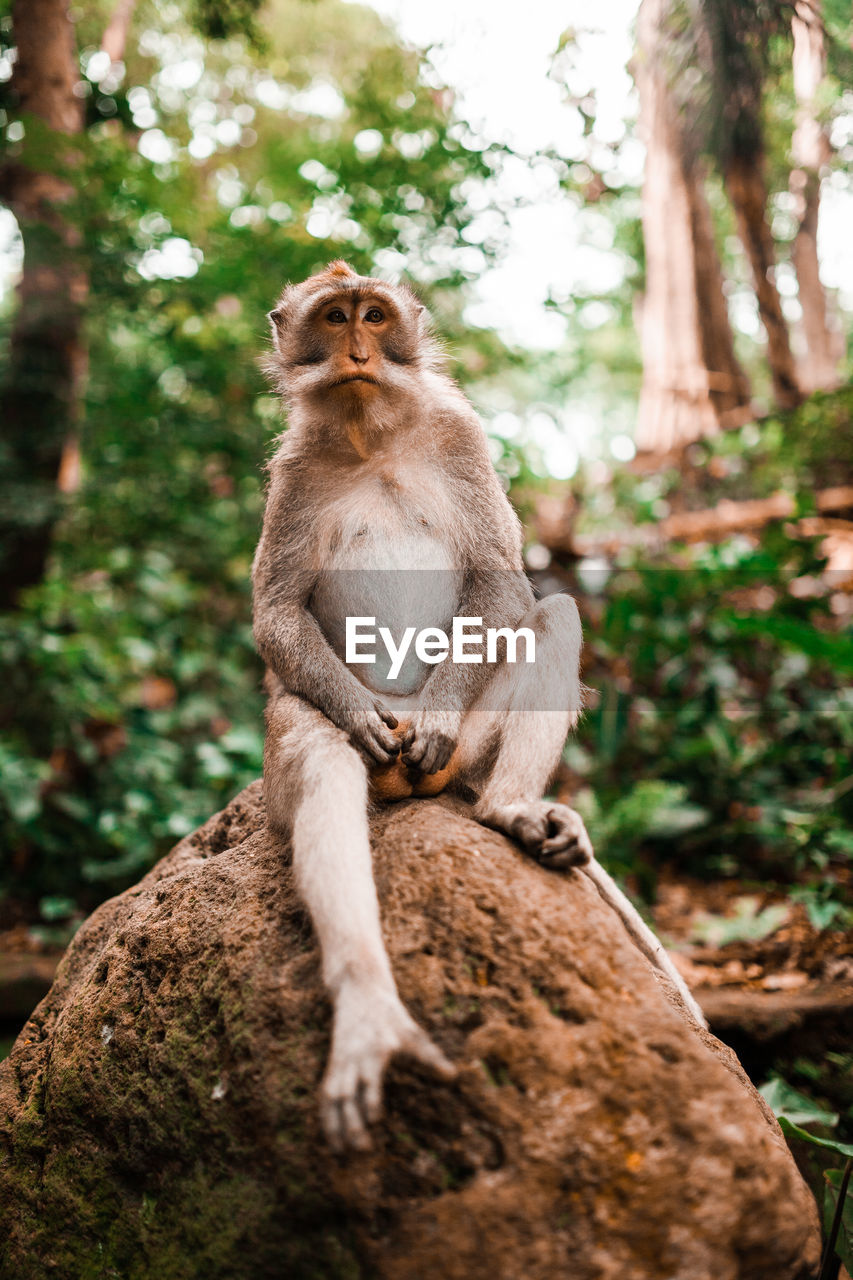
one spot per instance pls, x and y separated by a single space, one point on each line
396 576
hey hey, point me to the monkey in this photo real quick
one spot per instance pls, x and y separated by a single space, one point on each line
383 503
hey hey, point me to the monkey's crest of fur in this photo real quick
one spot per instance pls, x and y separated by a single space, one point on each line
337 268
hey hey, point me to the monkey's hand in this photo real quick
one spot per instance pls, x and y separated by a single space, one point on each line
371 1025
553 834
431 739
370 725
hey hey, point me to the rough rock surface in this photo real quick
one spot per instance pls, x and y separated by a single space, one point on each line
158 1113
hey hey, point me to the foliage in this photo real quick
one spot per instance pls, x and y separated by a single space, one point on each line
794 1110
837 1185
651 808
746 923
786 1101
218 19
722 672
131 705
142 715
721 726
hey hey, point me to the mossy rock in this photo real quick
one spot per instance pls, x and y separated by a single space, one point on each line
158 1113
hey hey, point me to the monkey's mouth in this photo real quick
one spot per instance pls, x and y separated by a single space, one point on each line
355 377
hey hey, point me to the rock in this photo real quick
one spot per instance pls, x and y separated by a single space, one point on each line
158 1113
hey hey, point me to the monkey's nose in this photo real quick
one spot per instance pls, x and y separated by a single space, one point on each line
358 359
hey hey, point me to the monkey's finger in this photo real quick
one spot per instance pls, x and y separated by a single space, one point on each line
530 831
414 753
561 840
442 749
332 1132
354 1129
387 740
419 1045
333 1123
566 828
431 762
407 738
371 1099
381 746
388 716
431 752
340 1082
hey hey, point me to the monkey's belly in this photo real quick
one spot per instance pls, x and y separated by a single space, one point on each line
401 582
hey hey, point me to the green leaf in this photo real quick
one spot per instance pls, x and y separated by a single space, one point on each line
746 924
836 650
786 1101
790 1129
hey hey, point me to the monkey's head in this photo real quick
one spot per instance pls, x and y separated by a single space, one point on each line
349 344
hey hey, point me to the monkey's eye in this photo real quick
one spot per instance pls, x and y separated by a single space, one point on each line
336 316
374 315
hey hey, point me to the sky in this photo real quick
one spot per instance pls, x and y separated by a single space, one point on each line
497 61
498 67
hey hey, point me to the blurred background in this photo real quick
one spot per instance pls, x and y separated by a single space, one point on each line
634 229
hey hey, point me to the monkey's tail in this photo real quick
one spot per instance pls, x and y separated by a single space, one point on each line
642 935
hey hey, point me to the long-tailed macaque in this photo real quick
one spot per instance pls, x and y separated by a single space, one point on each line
383 505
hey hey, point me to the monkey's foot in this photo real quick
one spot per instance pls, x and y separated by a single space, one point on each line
371 1025
552 833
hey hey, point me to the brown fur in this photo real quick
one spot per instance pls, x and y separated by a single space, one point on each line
395 781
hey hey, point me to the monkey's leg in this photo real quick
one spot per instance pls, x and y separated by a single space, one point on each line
513 736
315 785
510 747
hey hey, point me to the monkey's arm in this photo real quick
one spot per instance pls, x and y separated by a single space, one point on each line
291 643
495 589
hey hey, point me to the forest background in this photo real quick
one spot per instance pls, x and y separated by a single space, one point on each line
680 442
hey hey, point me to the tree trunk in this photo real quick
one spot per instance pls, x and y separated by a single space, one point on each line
728 384
744 179
113 42
811 150
692 381
47 357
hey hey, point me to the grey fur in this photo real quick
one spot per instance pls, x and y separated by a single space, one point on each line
382 443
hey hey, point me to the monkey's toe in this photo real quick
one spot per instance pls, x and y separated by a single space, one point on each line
564 859
568 844
554 834
350 1100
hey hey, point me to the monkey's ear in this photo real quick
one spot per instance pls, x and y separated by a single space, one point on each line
422 316
276 318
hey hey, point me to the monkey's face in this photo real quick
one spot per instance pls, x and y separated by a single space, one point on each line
362 336
346 342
